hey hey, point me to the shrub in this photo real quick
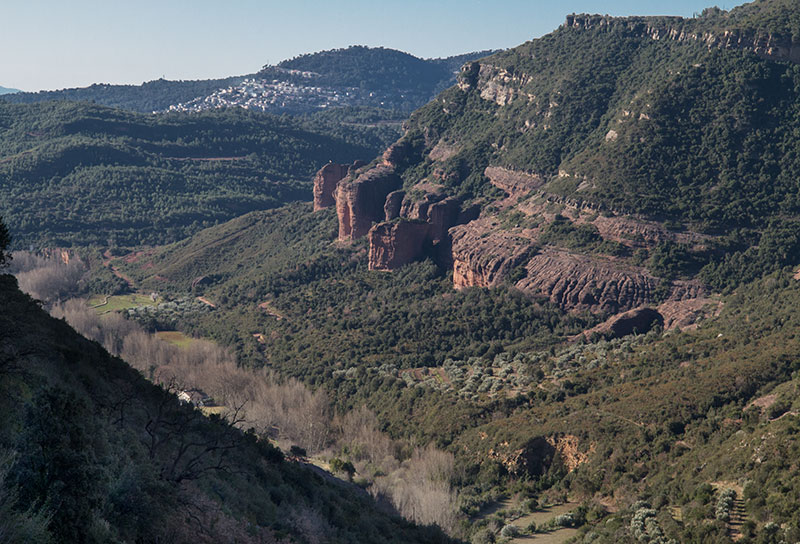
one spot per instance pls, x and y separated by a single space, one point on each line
509 531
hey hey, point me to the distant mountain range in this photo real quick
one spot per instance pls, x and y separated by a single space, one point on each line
355 76
7 90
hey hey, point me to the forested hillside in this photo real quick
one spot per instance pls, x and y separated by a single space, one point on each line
655 426
148 97
378 69
78 174
91 452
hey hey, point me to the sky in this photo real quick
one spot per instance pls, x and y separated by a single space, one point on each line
55 44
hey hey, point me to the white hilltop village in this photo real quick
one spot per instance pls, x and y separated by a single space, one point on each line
273 95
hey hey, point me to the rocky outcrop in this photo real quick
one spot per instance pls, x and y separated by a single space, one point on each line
513 182
686 313
327 179
494 83
325 183
764 44
538 454
443 151
583 282
419 223
393 204
484 256
416 209
396 243
400 153
360 201
638 320
441 216
534 458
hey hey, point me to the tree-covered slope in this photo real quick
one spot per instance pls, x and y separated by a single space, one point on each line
655 426
91 452
378 68
78 174
621 113
148 97
685 123
278 274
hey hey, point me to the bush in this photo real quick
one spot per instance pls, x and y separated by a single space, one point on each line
484 536
509 531
725 505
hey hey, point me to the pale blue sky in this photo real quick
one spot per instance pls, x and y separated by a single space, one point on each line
53 44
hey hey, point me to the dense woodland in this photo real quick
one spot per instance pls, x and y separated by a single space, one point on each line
78 174
378 68
91 452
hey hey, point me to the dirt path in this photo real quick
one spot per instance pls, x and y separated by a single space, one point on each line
206 301
104 303
120 275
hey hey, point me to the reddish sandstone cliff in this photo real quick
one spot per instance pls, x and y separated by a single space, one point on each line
327 179
360 201
325 183
395 244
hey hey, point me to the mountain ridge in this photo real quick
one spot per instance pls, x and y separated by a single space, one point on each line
159 95
626 144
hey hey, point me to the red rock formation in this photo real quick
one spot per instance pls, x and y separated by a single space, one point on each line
395 244
437 213
325 183
483 256
328 178
586 282
360 201
394 202
442 216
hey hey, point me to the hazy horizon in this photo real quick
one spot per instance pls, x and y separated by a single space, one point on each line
60 45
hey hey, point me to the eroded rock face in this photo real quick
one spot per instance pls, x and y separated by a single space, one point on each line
538 454
397 154
394 201
325 183
484 256
763 44
533 459
360 202
582 282
441 216
434 211
328 178
512 182
396 244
